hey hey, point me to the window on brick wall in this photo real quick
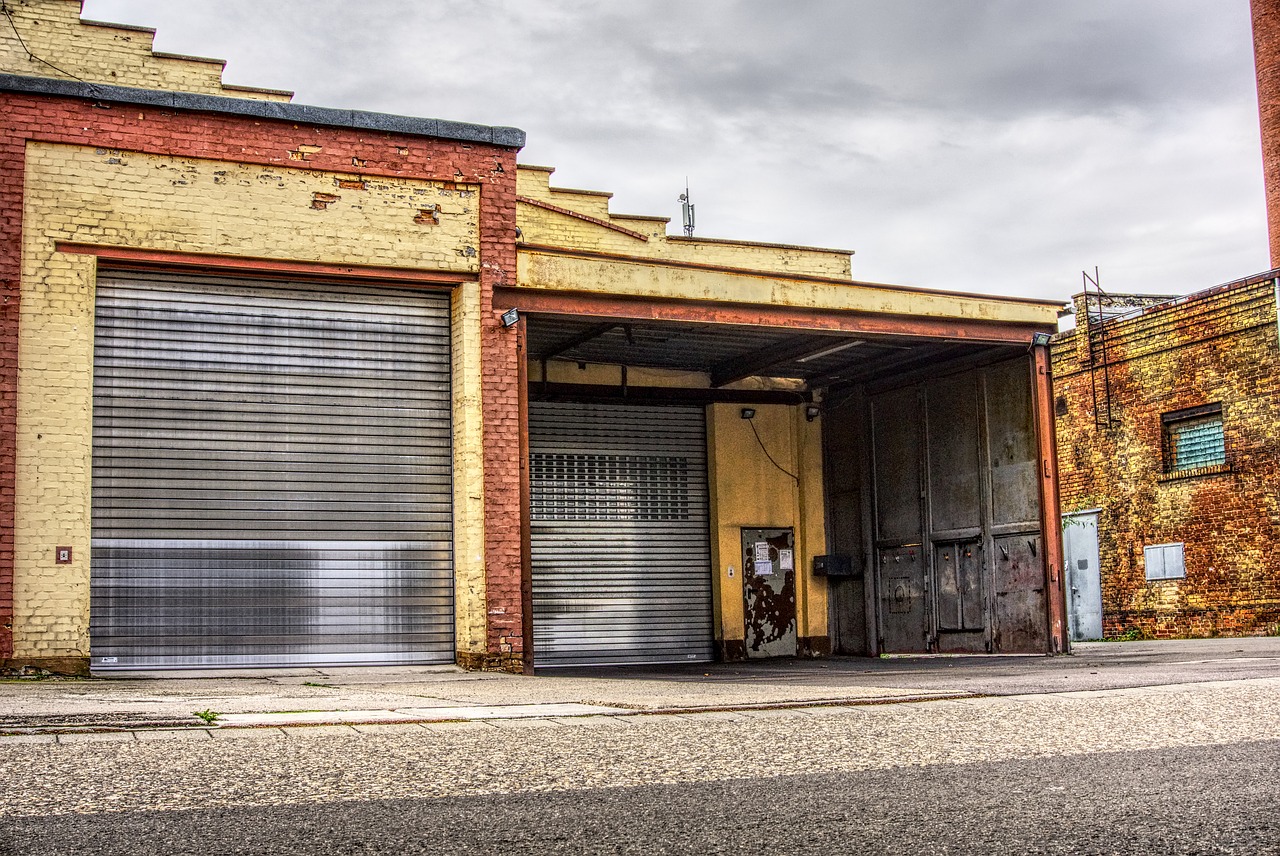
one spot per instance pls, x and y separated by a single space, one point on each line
1193 439
1164 562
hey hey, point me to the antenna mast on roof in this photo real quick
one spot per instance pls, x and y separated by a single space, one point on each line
686 208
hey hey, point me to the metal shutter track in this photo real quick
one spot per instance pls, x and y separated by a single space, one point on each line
621 550
271 474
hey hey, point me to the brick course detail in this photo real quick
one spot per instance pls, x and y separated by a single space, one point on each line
1218 347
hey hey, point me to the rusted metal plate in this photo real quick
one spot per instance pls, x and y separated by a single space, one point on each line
961 599
1020 625
843 429
904 615
769 589
977 433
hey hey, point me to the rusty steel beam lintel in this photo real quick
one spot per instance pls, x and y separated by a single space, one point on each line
762 359
553 391
860 325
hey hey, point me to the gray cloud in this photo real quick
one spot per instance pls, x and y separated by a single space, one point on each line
986 145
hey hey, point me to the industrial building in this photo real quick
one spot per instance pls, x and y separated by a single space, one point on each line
284 385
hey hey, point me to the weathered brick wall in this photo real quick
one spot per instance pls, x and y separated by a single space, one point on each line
158 179
1219 346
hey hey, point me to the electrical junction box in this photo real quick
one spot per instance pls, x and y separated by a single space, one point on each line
834 566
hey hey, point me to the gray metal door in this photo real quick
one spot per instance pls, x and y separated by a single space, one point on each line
271 474
901 581
1084 580
620 535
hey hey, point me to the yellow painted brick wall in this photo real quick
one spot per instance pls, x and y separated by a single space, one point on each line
771 274
55 399
554 271
553 228
104 197
811 528
470 605
104 53
115 198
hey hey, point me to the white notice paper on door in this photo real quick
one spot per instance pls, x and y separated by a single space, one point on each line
764 569
761 551
786 560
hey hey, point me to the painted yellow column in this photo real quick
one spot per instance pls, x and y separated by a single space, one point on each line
468 473
748 490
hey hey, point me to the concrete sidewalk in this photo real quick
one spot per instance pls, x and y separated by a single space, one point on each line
405 695
386 695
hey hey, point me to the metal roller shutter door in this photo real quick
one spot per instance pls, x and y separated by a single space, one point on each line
620 541
272 474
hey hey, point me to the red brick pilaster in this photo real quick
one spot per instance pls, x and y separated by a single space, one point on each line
500 388
1266 53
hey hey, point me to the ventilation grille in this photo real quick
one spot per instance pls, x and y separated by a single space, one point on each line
610 487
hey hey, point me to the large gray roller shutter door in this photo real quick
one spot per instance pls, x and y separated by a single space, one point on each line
271 474
621 546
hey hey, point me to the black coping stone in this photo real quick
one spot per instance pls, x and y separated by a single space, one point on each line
511 138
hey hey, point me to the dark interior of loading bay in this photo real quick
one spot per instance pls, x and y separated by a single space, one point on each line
933 510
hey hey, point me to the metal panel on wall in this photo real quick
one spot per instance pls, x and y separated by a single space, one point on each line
1015 497
620 534
896 438
272 474
954 481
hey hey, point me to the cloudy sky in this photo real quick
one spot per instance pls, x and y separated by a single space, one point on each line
998 146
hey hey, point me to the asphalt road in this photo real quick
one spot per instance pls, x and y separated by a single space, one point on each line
1193 801
1188 769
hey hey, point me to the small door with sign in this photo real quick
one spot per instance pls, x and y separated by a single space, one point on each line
769 590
